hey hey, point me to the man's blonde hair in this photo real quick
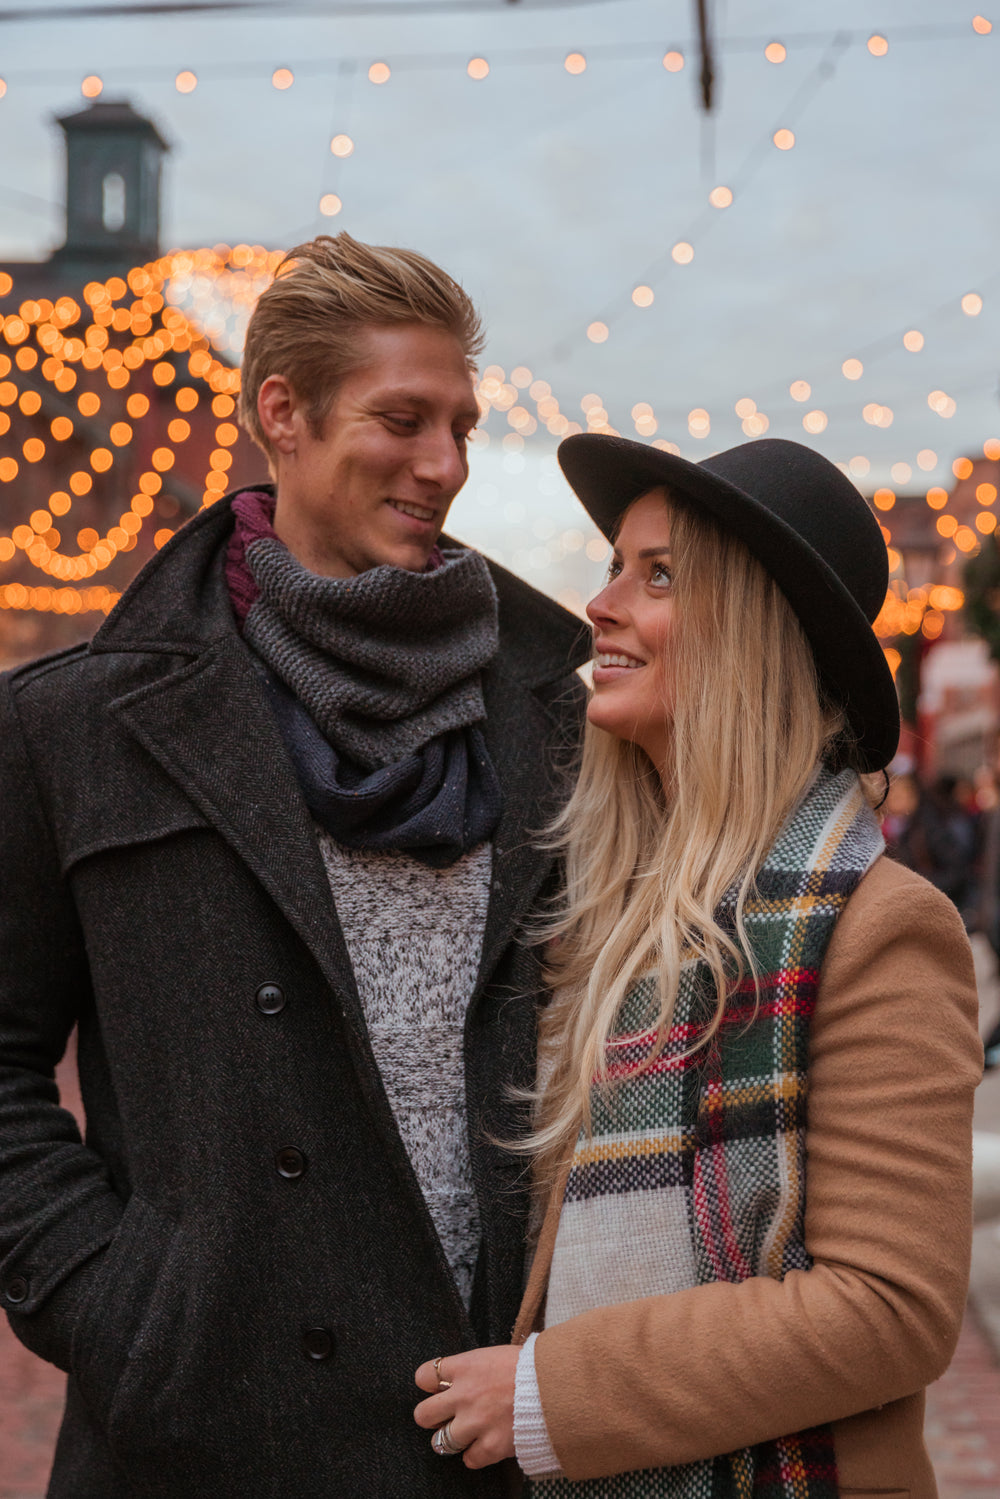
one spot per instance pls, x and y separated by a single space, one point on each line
308 326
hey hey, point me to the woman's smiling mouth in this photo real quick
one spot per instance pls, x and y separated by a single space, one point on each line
606 659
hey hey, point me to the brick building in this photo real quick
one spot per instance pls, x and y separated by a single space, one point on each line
116 412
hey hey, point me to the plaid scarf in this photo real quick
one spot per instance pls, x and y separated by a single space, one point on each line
695 1169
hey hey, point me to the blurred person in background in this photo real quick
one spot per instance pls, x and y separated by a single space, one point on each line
898 813
988 903
939 838
266 844
756 1073
991 1048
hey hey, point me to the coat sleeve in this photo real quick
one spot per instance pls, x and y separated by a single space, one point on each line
894 1060
57 1205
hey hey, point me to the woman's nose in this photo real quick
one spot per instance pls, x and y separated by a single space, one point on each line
604 607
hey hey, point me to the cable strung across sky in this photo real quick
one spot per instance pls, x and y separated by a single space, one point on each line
273 7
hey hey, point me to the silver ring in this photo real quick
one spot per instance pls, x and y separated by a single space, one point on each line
442 1443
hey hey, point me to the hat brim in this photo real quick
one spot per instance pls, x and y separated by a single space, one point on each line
608 473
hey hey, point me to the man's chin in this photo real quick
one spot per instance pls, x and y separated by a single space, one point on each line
412 557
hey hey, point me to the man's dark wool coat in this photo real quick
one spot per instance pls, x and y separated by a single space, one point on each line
238 1268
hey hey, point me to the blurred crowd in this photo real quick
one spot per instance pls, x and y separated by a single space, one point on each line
948 830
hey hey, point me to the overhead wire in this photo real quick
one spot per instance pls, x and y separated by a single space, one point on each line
100 9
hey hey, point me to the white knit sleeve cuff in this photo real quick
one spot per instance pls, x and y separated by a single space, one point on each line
535 1452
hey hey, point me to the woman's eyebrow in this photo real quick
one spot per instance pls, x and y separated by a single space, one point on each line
654 551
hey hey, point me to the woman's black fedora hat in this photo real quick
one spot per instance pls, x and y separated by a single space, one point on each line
805 523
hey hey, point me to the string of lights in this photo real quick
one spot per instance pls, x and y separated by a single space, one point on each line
672 57
721 196
47 350
190 306
499 393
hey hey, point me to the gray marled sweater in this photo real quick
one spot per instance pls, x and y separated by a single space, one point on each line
415 936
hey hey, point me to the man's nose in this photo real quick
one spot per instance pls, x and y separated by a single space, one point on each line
442 461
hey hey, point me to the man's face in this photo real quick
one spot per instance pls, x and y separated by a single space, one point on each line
376 486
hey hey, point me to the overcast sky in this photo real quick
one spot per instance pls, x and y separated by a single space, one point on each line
552 195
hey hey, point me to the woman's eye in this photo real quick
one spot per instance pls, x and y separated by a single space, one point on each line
614 568
660 574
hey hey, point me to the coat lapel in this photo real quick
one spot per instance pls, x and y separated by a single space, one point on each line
208 724
518 731
534 711
211 729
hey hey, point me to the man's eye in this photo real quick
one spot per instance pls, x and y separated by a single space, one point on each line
398 420
462 437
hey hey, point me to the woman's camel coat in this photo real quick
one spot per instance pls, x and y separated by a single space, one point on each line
895 1058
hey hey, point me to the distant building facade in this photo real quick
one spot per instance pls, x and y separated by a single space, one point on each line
114 164
117 417
950 685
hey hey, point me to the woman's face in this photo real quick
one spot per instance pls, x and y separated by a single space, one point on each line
632 618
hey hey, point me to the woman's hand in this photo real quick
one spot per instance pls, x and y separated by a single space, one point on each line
479 1404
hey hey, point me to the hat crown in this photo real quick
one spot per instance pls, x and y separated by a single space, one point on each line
819 503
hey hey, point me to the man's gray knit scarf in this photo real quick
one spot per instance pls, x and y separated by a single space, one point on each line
384 662
375 685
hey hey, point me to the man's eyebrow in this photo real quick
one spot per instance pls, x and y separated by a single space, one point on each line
422 403
400 393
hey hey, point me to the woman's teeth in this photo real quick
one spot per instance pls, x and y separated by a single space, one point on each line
606 659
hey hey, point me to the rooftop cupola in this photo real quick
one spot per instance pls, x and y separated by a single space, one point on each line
113 163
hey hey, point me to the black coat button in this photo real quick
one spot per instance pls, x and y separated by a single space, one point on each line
317 1343
290 1163
16 1290
270 1000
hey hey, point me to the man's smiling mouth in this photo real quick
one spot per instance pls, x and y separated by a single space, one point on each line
418 512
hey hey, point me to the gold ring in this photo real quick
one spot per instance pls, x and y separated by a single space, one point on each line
443 1384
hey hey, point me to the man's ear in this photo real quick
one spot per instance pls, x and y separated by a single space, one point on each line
280 414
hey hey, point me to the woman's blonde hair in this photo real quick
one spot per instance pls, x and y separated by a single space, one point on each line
646 866
309 324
